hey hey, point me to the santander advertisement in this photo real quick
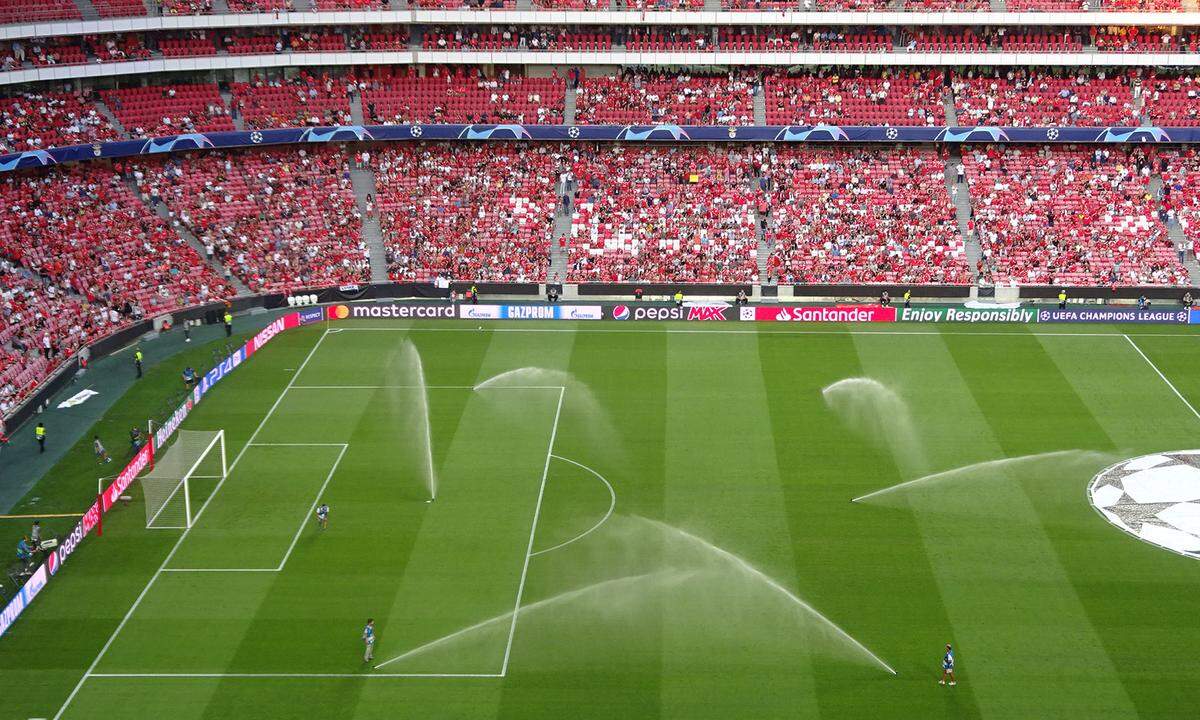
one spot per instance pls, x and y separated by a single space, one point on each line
837 313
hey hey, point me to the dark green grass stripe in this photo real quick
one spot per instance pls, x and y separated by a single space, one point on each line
628 381
1032 408
847 554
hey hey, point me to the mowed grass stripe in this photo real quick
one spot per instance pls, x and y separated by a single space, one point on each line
723 485
1017 619
1035 389
1140 414
845 553
595 660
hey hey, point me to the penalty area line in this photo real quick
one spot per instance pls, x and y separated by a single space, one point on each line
183 536
537 511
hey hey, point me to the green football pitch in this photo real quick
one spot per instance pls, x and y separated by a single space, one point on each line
552 520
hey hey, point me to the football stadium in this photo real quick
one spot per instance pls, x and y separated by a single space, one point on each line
696 359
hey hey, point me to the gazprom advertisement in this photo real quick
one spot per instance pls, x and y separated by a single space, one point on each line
531 312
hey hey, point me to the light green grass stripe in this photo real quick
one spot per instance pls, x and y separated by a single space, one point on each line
1017 620
723 484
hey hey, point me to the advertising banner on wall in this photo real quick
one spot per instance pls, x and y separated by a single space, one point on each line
694 313
836 313
968 315
392 310
1113 315
530 312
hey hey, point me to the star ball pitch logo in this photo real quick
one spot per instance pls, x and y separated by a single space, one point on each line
1155 498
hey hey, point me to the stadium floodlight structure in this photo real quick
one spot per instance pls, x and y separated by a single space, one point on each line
195 454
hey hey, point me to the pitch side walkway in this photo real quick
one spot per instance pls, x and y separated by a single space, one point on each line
21 466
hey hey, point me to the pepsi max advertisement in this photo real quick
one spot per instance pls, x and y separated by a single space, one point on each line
659 312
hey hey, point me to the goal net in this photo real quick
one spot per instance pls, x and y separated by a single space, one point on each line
195 455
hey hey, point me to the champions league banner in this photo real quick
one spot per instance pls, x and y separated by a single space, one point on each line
596 133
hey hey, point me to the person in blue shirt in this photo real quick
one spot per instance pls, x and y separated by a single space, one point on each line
24 552
368 636
948 666
189 376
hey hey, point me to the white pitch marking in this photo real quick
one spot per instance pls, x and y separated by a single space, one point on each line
258 444
183 536
427 387
611 506
1164 377
537 511
191 676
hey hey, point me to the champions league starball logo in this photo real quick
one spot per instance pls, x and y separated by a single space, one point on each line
1155 498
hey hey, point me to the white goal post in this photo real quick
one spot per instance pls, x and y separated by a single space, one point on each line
195 454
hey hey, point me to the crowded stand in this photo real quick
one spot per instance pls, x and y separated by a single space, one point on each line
304 100
850 215
56 218
1021 98
473 212
169 109
36 121
1173 100
646 98
277 220
1069 216
41 324
1181 193
902 97
666 214
461 95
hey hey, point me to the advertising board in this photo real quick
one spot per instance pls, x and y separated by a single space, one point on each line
835 313
968 315
694 313
1113 315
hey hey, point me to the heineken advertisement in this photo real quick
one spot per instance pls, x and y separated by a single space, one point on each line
968 315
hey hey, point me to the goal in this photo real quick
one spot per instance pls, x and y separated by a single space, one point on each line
195 455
